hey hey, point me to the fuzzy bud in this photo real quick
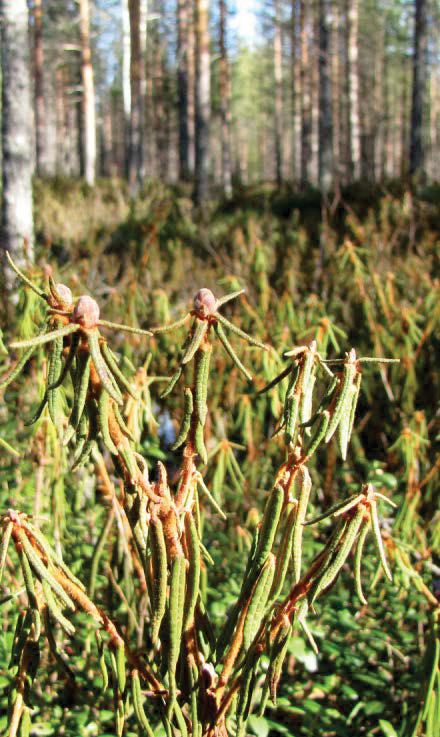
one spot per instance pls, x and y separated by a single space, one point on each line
205 304
86 312
65 293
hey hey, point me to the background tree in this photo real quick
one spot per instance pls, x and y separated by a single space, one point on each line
325 97
278 79
419 89
17 229
202 101
40 104
353 88
315 92
225 101
88 94
305 35
136 73
183 9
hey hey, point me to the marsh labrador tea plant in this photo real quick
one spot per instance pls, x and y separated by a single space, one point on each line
185 673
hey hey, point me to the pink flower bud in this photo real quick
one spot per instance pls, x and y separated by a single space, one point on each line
65 293
205 304
86 312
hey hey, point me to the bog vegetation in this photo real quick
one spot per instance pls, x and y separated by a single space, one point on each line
219 472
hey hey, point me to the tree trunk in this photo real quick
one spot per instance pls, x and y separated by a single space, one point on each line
191 88
419 91
336 92
126 88
296 66
404 137
353 88
202 102
182 87
278 79
143 25
314 99
88 94
40 111
225 109
434 129
61 128
160 111
325 97
305 92
135 145
17 228
379 104
386 148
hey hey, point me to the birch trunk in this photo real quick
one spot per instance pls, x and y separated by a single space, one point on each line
419 91
202 102
17 230
88 94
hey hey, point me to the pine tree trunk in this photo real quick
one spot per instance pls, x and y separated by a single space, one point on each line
160 112
61 137
182 87
296 67
404 137
336 92
278 79
40 110
107 142
419 91
305 93
325 97
17 230
386 148
314 100
353 88
135 145
379 82
143 20
202 102
191 88
126 87
225 102
88 94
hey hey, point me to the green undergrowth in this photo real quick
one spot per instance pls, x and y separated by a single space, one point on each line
361 270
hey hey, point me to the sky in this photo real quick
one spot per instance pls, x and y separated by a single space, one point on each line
244 21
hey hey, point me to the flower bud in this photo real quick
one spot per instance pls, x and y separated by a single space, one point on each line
205 304
86 312
65 293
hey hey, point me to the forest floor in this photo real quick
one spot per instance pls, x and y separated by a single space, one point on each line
362 270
